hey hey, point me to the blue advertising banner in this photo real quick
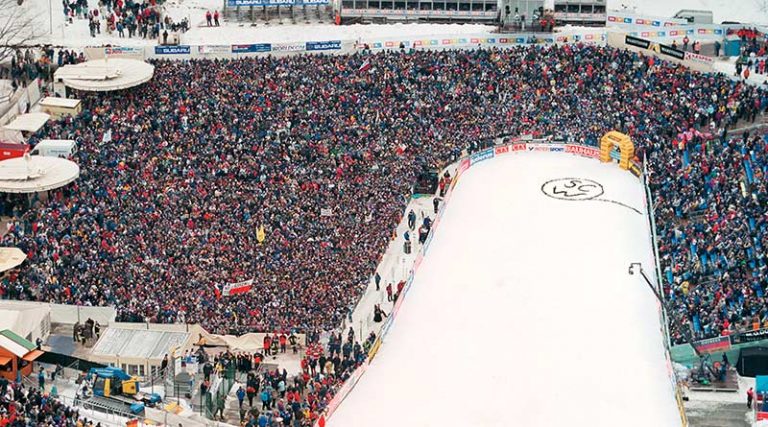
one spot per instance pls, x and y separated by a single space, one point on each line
329 45
172 50
251 48
235 3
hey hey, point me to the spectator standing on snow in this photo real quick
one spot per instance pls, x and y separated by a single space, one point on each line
208 17
216 17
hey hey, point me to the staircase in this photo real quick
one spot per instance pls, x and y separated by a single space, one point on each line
717 414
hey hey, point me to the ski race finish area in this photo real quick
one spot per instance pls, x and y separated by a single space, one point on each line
522 311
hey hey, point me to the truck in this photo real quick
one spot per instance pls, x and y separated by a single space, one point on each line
55 148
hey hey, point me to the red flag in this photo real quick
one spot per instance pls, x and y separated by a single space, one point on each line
364 67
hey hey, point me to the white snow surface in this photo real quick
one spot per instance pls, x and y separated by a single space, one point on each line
77 35
522 311
723 10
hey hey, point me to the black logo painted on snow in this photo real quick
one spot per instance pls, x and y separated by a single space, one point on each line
572 189
578 189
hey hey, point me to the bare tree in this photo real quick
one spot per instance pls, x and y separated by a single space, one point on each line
18 27
762 5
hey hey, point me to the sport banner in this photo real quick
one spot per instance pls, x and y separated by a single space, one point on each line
751 336
713 345
237 288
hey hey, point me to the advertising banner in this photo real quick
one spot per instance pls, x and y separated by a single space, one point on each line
328 45
690 56
125 52
615 18
581 150
214 49
481 156
235 3
713 344
554 147
671 52
172 50
751 336
288 47
251 48
637 42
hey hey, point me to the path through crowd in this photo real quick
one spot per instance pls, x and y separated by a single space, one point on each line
395 266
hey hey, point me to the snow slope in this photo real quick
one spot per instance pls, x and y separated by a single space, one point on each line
523 313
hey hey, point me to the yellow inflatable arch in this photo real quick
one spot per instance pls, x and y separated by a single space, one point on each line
622 142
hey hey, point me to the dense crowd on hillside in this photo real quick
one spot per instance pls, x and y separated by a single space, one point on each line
179 176
22 406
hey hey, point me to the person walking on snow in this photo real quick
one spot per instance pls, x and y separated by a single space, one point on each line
240 396
389 292
750 397
411 219
208 17
436 203
377 279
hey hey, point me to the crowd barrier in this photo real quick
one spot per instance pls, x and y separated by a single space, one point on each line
507 146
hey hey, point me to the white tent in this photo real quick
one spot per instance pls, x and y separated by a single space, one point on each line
30 122
101 75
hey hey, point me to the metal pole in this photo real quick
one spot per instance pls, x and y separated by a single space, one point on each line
50 17
663 304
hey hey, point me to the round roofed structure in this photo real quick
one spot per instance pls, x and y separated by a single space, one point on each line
32 174
105 75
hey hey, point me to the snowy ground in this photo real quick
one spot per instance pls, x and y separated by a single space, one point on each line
723 10
505 315
77 34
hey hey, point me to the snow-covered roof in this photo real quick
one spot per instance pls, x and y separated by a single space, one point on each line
138 343
31 174
104 75
10 258
30 122
53 101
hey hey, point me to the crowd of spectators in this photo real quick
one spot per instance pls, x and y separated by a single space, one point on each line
25 65
22 406
273 398
125 18
178 176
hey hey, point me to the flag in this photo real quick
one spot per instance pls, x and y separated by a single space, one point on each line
366 65
217 292
237 288
261 234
